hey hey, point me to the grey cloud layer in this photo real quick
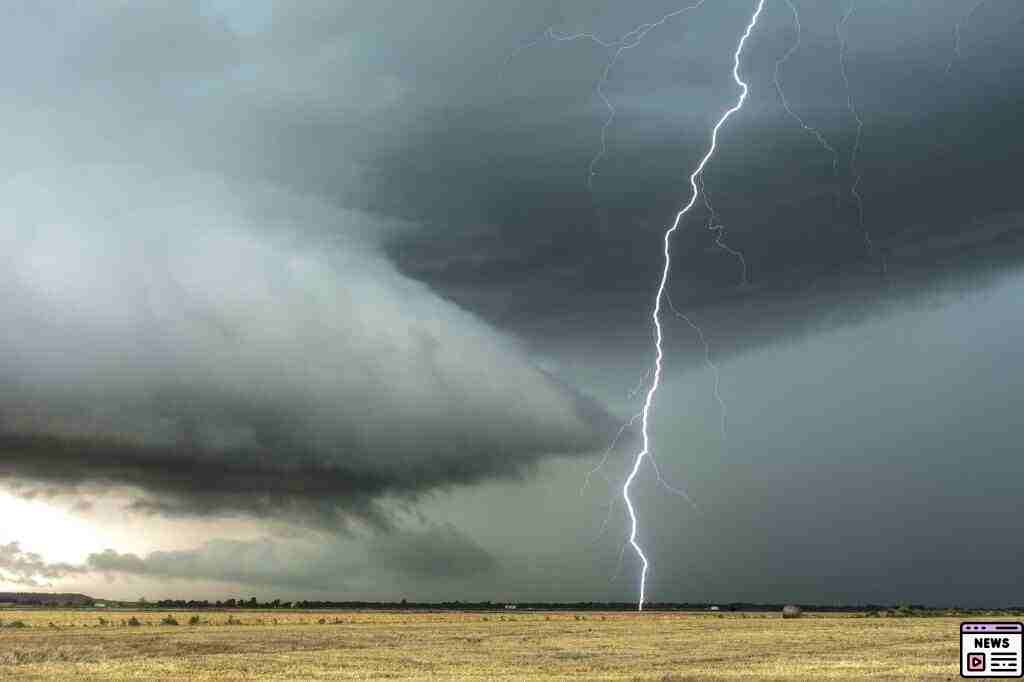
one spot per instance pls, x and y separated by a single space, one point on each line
29 569
208 347
412 111
259 281
433 554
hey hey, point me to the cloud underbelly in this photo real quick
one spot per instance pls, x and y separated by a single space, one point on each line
226 349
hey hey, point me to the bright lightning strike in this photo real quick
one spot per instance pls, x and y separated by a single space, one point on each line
616 48
656 313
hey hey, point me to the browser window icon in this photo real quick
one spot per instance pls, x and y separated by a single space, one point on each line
991 650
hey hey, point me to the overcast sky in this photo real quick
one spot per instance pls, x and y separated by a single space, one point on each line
349 299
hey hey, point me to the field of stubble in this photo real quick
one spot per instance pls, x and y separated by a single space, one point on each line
276 645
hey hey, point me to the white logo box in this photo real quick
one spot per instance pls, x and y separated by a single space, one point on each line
991 650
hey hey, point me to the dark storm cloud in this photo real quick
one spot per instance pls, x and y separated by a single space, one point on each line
937 159
260 277
416 112
233 348
858 461
440 552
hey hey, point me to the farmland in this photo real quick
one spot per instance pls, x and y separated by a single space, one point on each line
234 645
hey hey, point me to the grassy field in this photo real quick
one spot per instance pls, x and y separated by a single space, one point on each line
278 645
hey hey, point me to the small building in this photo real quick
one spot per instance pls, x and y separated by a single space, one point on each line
791 611
714 608
511 607
100 605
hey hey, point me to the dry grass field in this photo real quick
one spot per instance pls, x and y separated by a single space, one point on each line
283 645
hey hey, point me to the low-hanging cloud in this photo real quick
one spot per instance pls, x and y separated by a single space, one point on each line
228 348
434 553
29 569
258 563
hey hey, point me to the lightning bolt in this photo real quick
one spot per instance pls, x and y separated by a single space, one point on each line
656 313
708 361
855 172
718 228
597 469
841 35
626 41
617 48
956 35
636 390
785 101
857 176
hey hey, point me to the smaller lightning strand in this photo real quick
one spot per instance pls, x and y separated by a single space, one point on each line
625 42
708 362
656 313
638 389
714 225
957 54
841 34
785 101
598 468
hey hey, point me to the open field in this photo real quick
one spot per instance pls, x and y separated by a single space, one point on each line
527 645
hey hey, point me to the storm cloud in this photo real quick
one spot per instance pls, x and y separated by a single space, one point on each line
29 569
336 262
253 352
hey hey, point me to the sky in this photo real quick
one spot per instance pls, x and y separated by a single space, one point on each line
351 300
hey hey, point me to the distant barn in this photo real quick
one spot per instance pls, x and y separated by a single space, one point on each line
791 611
